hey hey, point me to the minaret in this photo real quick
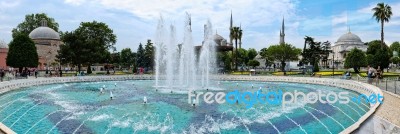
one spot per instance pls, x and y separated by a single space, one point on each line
282 32
230 29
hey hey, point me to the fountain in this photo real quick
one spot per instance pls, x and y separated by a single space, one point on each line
144 100
75 108
179 66
111 95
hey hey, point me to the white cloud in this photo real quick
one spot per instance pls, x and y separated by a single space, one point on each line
9 3
395 9
75 2
260 20
251 14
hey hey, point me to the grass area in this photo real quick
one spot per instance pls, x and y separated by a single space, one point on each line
326 73
287 73
364 74
241 73
69 74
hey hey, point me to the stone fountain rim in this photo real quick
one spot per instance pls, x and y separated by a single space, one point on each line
352 85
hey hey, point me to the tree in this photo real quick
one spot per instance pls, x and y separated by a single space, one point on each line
395 60
253 63
69 52
149 54
378 55
355 59
382 14
239 36
89 43
251 53
305 54
269 60
236 33
140 57
22 53
115 58
224 58
314 52
127 58
374 46
282 53
326 49
242 57
395 47
33 21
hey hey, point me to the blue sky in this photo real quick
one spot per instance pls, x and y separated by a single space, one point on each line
135 21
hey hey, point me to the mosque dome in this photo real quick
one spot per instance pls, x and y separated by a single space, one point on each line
218 38
349 37
44 33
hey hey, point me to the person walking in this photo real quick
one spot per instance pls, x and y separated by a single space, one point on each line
370 74
60 72
1 75
36 73
378 75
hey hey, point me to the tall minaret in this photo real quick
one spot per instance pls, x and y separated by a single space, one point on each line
230 29
282 32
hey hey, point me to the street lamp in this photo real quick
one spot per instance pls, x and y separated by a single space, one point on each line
333 64
47 64
61 66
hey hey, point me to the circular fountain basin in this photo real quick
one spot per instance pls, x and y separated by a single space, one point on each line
81 108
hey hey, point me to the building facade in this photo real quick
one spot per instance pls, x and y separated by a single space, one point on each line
3 56
342 47
47 42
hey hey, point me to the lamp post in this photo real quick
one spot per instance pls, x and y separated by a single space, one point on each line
47 64
61 66
333 64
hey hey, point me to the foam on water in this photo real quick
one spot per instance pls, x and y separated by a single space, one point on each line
101 117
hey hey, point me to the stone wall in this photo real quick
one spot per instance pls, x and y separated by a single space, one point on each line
47 51
3 56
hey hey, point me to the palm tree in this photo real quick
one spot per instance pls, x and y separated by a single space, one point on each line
382 14
239 35
235 33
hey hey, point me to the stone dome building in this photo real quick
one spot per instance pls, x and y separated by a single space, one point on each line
47 42
219 40
3 55
44 33
343 46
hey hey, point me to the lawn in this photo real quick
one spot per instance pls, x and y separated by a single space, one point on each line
326 73
241 73
287 73
364 74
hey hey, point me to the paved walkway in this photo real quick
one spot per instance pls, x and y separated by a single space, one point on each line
390 109
387 117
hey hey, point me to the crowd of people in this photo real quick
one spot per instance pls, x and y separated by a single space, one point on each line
374 74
